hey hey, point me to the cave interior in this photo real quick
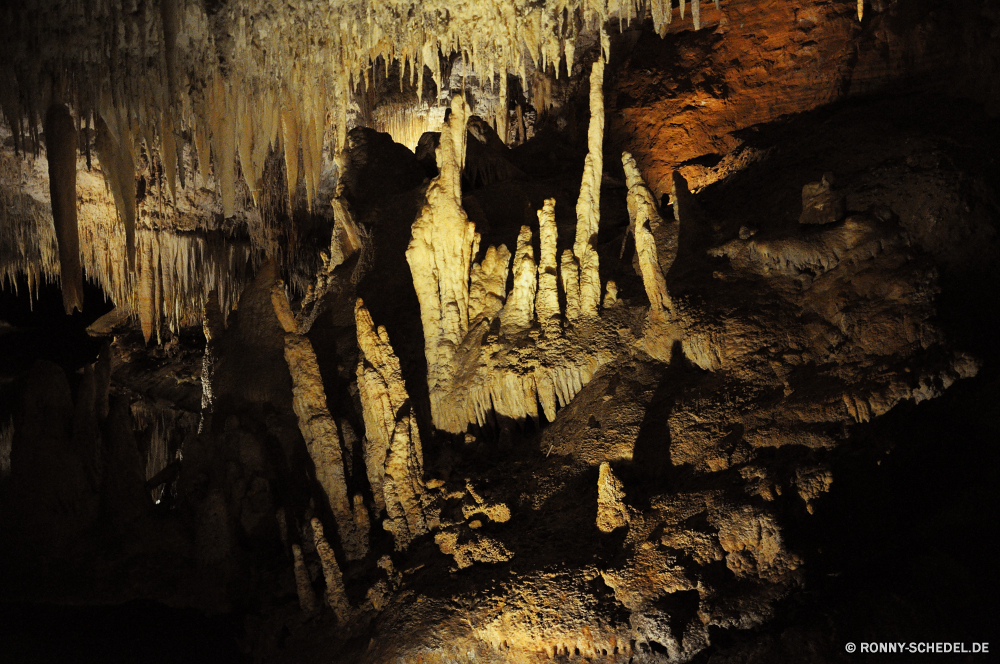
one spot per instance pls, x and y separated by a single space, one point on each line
634 331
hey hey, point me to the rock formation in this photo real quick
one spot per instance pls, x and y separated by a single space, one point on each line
318 427
393 454
310 327
471 371
60 148
307 598
336 596
611 511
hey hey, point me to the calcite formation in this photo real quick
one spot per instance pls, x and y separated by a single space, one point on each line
611 510
709 379
393 453
319 429
307 598
336 596
473 370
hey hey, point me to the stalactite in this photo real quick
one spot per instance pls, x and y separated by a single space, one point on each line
114 144
60 147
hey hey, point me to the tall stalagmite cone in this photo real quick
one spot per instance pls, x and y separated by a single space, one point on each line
611 510
336 596
60 146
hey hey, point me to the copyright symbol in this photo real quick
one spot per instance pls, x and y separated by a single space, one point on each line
850 647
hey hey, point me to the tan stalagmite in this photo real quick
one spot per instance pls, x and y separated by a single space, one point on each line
487 281
318 427
474 369
307 598
383 394
336 595
221 114
570 275
547 297
60 147
519 312
588 206
345 241
393 454
644 216
406 499
611 511
440 256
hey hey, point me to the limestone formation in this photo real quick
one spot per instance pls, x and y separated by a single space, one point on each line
611 510
393 453
487 281
235 139
60 147
588 206
821 204
440 257
645 220
307 598
478 549
319 429
470 370
519 312
547 296
336 596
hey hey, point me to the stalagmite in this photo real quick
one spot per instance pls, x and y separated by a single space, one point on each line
611 511
588 206
318 427
222 113
393 455
571 284
487 281
383 395
60 148
440 257
307 598
644 217
336 595
148 312
519 312
547 297
403 486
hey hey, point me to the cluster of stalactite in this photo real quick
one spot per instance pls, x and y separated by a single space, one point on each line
152 82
